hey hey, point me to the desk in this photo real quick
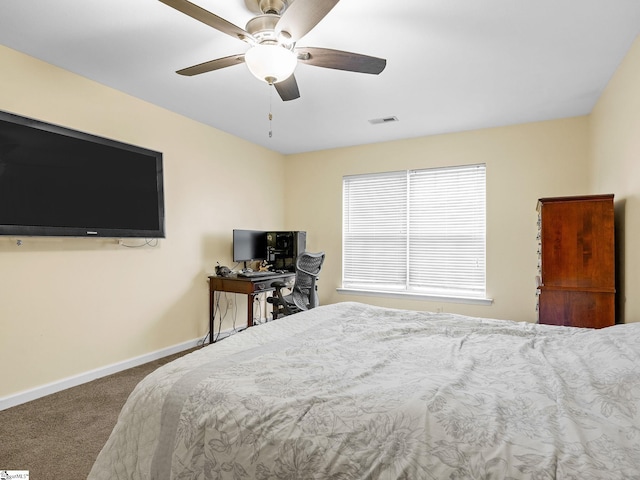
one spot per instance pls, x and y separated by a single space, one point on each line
249 286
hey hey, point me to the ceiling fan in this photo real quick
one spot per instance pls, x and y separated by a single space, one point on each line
273 54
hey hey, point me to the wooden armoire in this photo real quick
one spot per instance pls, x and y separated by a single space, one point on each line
576 264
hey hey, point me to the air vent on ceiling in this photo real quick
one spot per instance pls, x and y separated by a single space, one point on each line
377 121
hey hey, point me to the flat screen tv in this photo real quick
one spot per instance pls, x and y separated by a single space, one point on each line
249 245
55 181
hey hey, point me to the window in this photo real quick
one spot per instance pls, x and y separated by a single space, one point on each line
416 231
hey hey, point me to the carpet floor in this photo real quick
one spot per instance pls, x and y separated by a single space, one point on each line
59 436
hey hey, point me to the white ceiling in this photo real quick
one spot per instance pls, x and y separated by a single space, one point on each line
452 65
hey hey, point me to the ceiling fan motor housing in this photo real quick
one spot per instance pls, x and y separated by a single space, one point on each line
263 29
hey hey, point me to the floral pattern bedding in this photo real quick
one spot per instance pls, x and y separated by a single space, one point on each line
352 391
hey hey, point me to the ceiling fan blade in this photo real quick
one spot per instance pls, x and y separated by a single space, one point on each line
208 18
340 60
211 65
302 15
288 89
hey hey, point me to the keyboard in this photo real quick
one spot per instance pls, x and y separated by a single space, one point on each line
256 274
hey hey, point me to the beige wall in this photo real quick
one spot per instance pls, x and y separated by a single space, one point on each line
69 306
615 148
524 163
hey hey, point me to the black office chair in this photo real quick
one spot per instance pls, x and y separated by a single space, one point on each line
304 294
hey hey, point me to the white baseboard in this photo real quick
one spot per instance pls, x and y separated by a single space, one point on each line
48 389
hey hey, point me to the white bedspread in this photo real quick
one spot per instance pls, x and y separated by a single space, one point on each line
351 391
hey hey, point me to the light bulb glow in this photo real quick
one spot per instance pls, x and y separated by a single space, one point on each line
270 63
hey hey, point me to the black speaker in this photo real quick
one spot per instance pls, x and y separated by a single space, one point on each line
284 247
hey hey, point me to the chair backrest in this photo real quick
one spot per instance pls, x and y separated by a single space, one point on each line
308 266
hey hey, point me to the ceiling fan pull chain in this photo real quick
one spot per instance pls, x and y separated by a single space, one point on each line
270 114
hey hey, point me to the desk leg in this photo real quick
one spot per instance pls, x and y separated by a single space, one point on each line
250 299
212 314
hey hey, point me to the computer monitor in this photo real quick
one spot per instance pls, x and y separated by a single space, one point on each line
249 245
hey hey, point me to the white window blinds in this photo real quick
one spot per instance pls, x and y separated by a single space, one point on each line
375 230
418 231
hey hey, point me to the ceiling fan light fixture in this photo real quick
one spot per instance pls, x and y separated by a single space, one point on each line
270 63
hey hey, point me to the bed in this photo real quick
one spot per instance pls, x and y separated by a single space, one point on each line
353 391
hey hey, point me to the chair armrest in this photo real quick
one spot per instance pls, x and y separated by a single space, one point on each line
279 284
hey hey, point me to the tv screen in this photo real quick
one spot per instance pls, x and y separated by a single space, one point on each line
249 245
56 181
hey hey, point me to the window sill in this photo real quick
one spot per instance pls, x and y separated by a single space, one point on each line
416 296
